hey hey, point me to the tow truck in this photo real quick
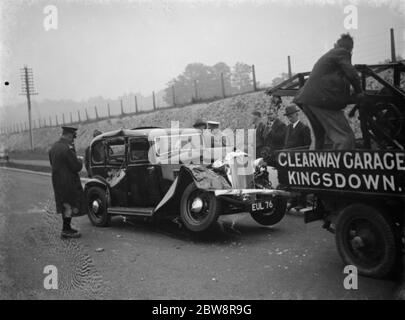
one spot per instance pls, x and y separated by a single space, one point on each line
360 193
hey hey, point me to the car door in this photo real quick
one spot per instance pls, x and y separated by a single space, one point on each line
98 157
116 162
144 177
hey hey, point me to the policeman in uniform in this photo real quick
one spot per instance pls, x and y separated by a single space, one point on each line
69 195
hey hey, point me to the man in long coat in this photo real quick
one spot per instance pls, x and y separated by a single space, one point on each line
69 195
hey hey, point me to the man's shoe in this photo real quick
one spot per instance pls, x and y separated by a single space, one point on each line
70 234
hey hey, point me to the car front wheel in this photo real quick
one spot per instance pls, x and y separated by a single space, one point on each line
97 207
199 209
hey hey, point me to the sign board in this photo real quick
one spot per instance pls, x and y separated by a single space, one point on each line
370 171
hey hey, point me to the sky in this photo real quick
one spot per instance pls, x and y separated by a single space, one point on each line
110 48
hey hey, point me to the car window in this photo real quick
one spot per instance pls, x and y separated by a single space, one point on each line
116 150
139 149
98 152
178 143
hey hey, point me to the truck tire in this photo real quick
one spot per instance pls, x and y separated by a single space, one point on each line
367 239
275 215
96 199
199 209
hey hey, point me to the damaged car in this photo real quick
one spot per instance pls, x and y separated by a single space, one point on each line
169 173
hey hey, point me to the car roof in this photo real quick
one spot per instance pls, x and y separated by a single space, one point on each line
150 133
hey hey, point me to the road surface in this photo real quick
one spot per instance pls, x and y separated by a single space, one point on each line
136 260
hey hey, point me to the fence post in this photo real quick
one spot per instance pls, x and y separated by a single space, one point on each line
50 121
108 110
63 118
289 67
254 77
78 115
222 85
122 107
136 104
95 110
174 96
87 114
393 55
153 100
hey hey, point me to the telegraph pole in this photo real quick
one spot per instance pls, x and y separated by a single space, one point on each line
28 90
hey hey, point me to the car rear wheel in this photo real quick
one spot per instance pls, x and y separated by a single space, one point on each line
97 207
279 207
199 209
366 239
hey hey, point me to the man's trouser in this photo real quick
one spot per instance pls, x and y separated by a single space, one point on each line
68 212
330 123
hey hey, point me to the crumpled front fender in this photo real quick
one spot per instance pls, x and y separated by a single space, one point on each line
96 181
203 177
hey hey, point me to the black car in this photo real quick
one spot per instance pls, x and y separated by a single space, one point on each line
158 173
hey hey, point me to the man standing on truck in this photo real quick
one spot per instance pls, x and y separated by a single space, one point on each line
327 92
69 195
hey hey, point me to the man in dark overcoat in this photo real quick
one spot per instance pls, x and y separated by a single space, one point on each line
298 135
274 135
69 195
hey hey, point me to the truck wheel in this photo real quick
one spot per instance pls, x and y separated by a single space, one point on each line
366 239
97 207
199 209
275 215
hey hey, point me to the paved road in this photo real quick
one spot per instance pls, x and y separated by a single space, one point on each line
43 163
238 260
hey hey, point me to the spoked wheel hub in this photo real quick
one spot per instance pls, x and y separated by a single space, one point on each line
365 242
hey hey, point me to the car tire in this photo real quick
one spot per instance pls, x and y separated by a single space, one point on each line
96 201
199 220
367 239
274 216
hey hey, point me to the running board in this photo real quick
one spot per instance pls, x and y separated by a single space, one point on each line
134 211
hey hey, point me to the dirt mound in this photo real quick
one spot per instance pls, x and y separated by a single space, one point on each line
233 113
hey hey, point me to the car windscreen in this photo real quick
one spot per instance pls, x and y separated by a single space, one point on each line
139 150
178 143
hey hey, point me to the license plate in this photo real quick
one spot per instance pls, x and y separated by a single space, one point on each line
260 206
